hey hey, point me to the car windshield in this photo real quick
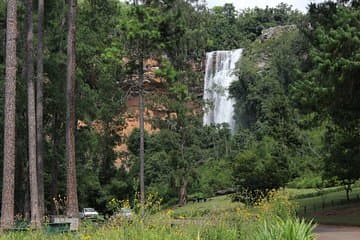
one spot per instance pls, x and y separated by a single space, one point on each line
89 210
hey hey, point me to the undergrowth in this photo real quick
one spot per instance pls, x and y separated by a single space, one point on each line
269 218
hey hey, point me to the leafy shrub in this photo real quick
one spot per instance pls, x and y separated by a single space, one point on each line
275 205
291 228
311 182
259 169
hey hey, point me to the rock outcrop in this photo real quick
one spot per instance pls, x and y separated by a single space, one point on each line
275 32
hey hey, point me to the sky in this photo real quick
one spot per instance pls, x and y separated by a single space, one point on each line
242 4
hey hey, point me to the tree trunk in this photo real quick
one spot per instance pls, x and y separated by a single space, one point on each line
29 62
21 170
183 181
72 209
140 52
7 204
182 191
39 109
54 161
27 208
142 133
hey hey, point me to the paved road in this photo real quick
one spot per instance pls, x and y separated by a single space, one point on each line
332 232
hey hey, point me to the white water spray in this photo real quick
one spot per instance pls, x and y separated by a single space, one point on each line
219 74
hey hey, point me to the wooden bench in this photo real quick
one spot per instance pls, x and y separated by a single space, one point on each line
17 229
19 226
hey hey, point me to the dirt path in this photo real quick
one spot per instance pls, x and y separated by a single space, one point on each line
332 232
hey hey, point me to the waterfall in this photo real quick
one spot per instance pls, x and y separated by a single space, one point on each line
219 107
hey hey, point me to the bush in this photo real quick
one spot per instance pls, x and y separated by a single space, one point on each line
311 181
291 228
259 169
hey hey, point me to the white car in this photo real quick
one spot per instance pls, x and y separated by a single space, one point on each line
88 212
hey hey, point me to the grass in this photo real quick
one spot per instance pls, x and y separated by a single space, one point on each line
212 220
337 197
216 205
296 193
134 231
331 207
333 197
348 214
219 218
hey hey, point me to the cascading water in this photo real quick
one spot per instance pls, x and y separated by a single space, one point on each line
220 66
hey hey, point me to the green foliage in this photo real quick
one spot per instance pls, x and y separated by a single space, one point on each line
229 29
183 31
332 76
133 141
344 153
213 176
100 104
263 104
139 30
330 89
309 181
223 30
167 71
202 165
259 169
280 229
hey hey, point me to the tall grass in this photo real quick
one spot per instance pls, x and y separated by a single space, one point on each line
136 231
234 222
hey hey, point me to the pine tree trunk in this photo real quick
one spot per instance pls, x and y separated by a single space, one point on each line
54 163
140 52
29 62
21 167
72 209
7 204
39 108
142 133
27 208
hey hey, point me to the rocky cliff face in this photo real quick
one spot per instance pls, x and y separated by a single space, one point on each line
275 32
262 55
152 85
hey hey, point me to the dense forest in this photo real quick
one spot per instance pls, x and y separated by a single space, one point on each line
297 102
